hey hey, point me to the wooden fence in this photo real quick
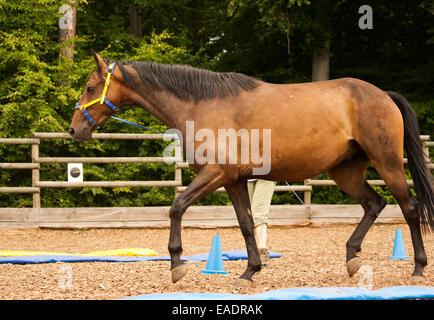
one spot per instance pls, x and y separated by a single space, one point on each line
206 216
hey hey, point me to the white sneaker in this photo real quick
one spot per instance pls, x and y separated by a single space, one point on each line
265 256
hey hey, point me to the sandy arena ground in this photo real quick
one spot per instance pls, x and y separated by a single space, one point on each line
310 259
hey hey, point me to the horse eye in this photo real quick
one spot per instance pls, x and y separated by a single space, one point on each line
90 89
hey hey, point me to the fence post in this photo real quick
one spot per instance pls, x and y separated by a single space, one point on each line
178 178
426 149
178 169
35 180
307 194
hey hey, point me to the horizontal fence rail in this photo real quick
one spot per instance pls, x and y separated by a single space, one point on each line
106 160
15 165
18 141
106 184
18 190
176 183
108 136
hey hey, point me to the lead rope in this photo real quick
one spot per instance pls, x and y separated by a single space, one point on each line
145 128
137 125
309 210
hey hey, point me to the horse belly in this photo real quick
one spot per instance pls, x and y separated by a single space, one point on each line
297 164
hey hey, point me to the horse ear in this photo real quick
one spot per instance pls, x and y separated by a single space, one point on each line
100 63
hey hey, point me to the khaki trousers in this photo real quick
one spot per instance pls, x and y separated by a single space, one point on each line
260 194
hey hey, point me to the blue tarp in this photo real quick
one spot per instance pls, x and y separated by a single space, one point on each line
337 293
227 255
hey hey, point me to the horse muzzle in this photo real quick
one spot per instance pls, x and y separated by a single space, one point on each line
83 134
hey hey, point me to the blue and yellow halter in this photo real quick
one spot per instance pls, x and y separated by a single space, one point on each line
101 99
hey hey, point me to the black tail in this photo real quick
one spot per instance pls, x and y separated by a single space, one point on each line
422 177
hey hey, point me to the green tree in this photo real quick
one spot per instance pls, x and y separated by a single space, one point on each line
271 40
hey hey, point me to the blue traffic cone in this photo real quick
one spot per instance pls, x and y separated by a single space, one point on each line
398 247
215 259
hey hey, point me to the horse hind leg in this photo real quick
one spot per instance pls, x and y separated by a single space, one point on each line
349 175
384 128
393 175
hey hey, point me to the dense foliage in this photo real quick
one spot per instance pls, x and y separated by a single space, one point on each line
272 40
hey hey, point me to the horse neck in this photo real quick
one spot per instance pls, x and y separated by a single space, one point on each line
163 105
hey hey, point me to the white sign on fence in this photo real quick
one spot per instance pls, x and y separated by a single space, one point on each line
75 172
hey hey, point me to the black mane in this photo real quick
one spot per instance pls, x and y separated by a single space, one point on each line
187 82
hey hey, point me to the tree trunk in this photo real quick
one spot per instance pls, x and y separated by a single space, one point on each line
136 20
321 62
323 11
67 25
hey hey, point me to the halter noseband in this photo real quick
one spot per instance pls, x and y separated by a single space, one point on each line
101 99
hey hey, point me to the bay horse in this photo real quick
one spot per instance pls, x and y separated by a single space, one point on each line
337 126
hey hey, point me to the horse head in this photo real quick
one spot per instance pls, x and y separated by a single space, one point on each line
103 95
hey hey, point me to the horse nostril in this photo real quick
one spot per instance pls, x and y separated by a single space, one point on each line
71 131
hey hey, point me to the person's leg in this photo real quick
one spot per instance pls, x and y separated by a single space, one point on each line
261 201
251 188
260 206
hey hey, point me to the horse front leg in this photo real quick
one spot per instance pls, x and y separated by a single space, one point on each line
239 196
207 180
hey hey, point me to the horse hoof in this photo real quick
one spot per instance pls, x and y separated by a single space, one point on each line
417 279
354 265
178 272
243 283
